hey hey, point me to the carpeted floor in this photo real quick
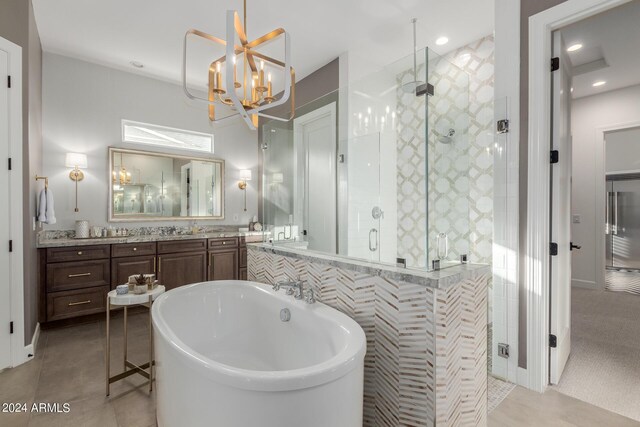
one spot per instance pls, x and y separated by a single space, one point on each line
604 365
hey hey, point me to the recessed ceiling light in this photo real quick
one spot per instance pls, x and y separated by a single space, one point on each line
599 83
442 40
136 64
574 47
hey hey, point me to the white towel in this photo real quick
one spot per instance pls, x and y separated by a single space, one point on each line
46 213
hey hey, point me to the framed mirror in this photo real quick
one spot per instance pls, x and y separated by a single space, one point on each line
147 186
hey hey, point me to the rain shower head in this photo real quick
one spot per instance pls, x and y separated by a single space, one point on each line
412 86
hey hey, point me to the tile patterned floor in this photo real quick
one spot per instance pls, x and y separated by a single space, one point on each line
69 368
497 391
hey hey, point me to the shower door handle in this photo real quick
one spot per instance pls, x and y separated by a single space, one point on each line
607 224
615 213
373 232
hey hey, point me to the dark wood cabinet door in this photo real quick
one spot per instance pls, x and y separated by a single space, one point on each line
122 268
223 265
182 269
243 274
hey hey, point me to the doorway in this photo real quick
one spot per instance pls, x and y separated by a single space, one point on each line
314 151
593 205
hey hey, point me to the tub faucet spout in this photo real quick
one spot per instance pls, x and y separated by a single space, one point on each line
293 287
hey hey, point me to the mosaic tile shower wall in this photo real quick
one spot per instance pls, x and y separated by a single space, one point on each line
460 167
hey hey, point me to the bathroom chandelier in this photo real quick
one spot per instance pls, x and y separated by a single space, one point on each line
242 78
123 177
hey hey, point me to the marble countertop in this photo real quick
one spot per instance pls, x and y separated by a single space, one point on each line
251 236
440 279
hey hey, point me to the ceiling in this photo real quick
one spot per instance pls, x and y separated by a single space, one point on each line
116 32
610 52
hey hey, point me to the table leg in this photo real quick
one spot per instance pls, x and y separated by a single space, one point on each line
150 348
125 338
108 349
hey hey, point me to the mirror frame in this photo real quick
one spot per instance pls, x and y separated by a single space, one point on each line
135 218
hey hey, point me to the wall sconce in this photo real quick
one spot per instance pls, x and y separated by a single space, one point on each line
76 161
245 175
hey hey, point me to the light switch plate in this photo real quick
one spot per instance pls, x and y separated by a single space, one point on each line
576 219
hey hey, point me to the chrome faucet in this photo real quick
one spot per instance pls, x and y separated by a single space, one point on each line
296 288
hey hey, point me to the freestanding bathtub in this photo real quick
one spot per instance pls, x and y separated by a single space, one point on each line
224 358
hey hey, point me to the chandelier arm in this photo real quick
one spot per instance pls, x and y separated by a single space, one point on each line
205 36
266 58
240 30
267 37
293 93
223 58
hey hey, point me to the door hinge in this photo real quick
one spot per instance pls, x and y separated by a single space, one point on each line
502 126
555 63
555 156
9 82
9 163
10 327
553 341
553 249
503 350
10 245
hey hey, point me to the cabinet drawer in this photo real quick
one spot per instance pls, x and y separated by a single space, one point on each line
223 243
65 276
133 249
176 246
77 253
62 305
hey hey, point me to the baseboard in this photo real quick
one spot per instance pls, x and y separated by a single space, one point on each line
30 349
587 284
522 377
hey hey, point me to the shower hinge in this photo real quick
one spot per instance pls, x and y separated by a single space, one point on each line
553 341
555 156
555 63
502 126
503 350
340 158
553 249
426 88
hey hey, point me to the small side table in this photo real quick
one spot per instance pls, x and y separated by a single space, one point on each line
128 300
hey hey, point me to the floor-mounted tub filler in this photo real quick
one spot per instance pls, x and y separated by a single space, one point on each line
235 353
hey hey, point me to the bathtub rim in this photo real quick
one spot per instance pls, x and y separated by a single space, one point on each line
349 358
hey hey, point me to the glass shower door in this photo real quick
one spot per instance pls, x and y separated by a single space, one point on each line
364 211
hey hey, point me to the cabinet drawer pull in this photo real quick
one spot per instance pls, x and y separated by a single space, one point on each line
159 264
135 249
79 275
79 252
80 303
224 243
154 264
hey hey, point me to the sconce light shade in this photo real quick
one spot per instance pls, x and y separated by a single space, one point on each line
245 175
277 178
76 160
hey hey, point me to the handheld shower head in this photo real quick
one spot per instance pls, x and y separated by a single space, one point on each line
446 138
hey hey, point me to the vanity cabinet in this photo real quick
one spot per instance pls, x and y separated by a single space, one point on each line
128 259
223 259
74 281
182 262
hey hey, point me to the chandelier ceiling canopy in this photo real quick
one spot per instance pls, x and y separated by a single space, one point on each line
242 78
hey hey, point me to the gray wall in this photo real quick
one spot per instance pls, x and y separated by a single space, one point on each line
17 24
84 104
317 84
527 8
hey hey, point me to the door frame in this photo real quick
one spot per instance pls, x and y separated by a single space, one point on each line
601 194
298 125
19 352
536 265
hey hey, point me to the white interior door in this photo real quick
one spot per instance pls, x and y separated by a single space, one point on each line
315 172
5 285
560 292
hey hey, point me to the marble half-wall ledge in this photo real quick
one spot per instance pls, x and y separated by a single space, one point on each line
66 238
426 361
439 279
